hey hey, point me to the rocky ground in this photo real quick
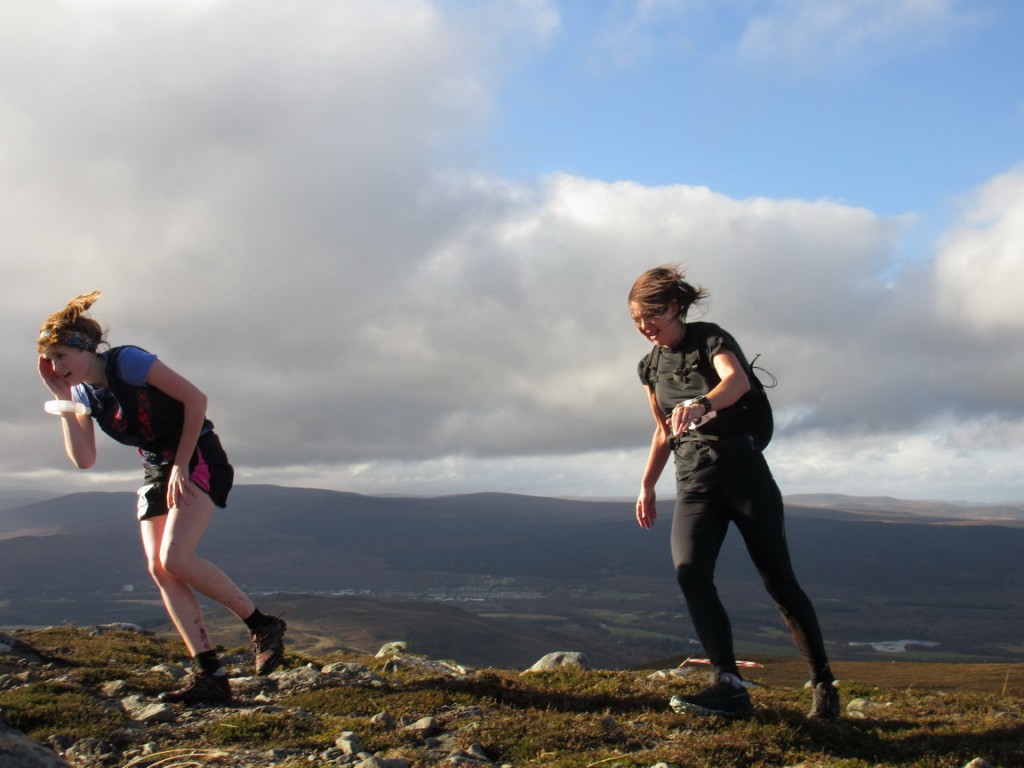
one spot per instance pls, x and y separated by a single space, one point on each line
89 698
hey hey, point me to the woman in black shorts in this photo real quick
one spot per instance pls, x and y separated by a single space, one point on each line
699 387
139 401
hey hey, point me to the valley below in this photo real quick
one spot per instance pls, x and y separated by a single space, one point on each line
500 580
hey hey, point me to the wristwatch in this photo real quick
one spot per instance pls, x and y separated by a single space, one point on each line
704 403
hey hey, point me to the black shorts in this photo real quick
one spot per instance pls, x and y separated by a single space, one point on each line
209 470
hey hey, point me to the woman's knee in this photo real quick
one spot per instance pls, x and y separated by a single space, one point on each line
158 571
693 579
175 562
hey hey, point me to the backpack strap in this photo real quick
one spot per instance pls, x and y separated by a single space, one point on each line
652 366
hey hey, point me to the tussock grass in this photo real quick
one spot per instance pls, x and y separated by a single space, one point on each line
914 716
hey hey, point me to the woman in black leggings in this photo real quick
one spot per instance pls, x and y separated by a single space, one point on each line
699 387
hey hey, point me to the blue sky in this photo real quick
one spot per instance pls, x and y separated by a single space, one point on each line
392 241
901 121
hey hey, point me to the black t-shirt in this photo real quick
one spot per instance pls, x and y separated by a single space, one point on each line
687 372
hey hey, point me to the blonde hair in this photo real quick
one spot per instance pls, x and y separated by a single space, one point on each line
72 327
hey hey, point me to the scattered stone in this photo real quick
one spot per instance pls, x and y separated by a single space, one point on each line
256 688
147 711
9 681
19 751
446 668
390 649
114 688
560 659
473 756
677 673
90 750
173 671
349 743
425 726
860 704
306 678
15 647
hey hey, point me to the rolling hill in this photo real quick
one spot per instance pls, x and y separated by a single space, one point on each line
533 572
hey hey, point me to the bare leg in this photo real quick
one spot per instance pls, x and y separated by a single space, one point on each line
178 597
170 543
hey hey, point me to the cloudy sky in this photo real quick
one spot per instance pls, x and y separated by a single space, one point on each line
392 241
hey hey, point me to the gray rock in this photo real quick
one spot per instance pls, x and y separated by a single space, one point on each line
349 744
473 756
147 711
390 649
173 671
560 659
408 661
89 750
423 727
19 751
305 678
15 647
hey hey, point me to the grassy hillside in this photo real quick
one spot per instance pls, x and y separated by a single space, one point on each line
60 688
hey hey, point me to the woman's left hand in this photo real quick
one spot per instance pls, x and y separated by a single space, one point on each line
684 415
179 489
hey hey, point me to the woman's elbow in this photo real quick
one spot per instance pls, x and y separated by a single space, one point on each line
83 461
198 402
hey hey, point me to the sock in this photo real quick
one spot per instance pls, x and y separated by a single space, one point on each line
255 620
207 663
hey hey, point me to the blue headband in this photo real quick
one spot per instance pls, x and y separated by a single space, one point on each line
75 339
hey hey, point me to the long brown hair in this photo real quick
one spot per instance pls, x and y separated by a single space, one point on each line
72 327
657 288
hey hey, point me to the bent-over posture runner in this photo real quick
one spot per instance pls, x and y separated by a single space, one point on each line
139 401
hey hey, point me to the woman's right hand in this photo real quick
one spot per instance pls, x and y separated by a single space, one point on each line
57 386
646 508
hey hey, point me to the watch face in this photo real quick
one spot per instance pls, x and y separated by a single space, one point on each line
705 417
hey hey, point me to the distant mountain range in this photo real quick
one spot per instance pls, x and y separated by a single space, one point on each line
531 572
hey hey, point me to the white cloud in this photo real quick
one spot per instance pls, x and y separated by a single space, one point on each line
980 266
266 196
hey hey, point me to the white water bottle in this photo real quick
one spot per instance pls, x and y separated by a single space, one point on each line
58 407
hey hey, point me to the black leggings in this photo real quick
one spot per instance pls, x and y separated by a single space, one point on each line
734 484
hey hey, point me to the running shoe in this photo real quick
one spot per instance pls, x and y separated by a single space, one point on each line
268 645
201 689
826 703
722 698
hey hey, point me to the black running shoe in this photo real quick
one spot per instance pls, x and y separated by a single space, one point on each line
826 703
268 645
722 698
201 689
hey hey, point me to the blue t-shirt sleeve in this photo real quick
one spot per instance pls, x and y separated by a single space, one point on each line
133 365
78 394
